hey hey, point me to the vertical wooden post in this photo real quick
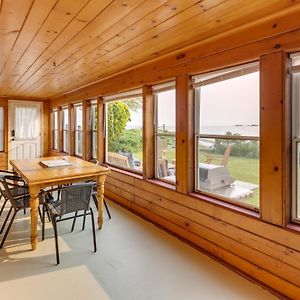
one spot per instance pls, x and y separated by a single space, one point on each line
101 130
148 133
184 135
273 133
86 130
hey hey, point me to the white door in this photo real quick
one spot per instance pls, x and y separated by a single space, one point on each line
24 129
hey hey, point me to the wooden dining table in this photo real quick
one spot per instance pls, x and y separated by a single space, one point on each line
38 177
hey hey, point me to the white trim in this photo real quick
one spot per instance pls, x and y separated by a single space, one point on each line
123 96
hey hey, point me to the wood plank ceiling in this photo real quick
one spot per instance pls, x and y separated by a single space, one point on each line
50 47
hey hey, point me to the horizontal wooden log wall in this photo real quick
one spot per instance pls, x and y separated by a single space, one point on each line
261 245
45 129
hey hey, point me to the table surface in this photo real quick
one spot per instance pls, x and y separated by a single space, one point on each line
34 173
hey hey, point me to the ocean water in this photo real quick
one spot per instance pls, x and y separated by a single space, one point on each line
245 130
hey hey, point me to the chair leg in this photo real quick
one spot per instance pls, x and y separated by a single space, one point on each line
40 214
3 206
53 221
74 220
43 223
5 221
84 218
8 228
94 231
95 200
107 210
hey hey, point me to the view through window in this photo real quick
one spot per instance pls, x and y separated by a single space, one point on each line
78 129
55 128
296 135
65 129
124 132
165 101
227 134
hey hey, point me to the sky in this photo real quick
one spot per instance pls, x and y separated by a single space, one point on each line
226 103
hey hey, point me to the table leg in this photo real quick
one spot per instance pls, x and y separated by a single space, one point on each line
34 204
100 197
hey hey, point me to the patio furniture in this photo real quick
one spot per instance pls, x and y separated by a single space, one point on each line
222 160
73 198
163 169
38 177
18 196
119 160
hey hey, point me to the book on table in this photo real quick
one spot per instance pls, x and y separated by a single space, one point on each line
55 163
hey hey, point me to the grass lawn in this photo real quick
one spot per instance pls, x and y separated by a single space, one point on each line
240 168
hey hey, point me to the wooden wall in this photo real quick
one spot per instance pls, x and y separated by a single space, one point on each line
45 129
263 245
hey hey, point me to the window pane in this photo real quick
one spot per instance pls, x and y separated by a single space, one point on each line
65 129
55 129
124 128
1 129
296 140
165 135
78 130
228 168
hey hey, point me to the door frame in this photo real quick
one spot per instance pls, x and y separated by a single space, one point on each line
39 104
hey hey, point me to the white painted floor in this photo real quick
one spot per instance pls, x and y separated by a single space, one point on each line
135 260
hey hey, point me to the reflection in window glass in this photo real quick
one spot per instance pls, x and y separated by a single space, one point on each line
55 129
124 130
94 130
227 135
1 129
78 129
165 135
65 129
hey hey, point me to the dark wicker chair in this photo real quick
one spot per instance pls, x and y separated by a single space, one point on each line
72 198
2 192
14 191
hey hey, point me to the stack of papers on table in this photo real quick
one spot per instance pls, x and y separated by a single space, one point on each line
55 163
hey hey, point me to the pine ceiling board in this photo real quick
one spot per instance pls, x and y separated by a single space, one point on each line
82 19
130 18
62 13
35 19
171 37
70 75
11 22
163 13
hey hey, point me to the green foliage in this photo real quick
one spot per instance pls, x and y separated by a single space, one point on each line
130 141
239 148
118 115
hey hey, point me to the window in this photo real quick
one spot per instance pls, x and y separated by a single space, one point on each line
65 129
1 129
296 136
78 129
55 128
165 132
227 134
94 118
124 131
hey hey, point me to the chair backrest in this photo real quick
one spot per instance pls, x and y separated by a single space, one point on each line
118 159
163 169
75 197
226 155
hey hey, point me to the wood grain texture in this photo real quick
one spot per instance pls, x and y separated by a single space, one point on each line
52 47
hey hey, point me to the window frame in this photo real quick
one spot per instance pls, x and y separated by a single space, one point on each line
94 131
76 131
123 96
55 110
156 89
220 75
65 132
295 70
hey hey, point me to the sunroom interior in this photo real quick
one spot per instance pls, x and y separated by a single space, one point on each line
193 108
